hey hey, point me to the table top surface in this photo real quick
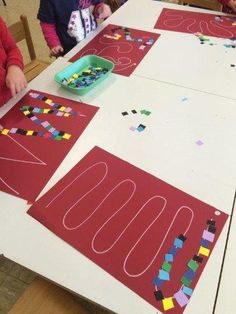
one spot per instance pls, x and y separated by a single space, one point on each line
184 111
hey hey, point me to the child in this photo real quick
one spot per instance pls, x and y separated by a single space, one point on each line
66 22
229 6
12 79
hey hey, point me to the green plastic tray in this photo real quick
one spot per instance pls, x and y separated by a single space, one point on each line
81 65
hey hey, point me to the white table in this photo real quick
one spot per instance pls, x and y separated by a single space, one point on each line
207 172
177 58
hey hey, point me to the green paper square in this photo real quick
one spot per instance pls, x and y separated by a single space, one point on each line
166 266
193 265
186 281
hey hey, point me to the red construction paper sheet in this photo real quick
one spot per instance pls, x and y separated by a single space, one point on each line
194 22
125 47
29 158
129 223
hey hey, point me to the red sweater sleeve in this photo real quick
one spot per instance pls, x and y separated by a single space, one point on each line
13 53
50 35
224 2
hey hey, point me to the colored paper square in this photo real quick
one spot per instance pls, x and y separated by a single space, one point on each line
212 229
208 235
48 101
157 282
193 265
173 250
185 281
13 130
37 110
164 275
187 290
62 108
29 133
181 298
66 136
59 114
197 258
182 237
46 110
169 257
189 274
204 251
178 243
5 131
26 112
45 124
158 295
66 115
204 243
140 128
132 128
167 303
55 133
166 266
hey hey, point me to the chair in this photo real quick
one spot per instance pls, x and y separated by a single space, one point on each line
20 31
114 4
205 4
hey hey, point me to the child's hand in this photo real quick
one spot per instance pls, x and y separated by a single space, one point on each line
232 5
56 51
103 11
15 79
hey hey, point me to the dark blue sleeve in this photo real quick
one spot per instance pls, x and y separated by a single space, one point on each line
95 2
46 11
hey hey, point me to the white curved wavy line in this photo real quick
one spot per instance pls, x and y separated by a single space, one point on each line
10 188
40 162
161 245
96 209
77 177
127 226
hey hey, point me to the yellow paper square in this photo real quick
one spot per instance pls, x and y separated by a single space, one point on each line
26 112
48 101
66 136
29 132
167 304
5 131
62 108
46 110
204 251
66 115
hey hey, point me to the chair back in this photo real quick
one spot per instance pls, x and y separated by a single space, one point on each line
20 31
114 4
205 4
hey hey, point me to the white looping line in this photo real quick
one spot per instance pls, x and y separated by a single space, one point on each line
161 245
1 179
111 217
40 162
201 23
123 66
106 222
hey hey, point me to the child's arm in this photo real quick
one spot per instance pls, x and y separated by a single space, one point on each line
50 35
15 79
230 3
101 9
46 15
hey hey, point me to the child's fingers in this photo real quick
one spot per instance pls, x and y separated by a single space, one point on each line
12 89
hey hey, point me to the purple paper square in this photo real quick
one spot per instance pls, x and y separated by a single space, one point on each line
208 236
181 298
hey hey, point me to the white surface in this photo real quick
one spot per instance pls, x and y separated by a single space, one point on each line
166 148
177 58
